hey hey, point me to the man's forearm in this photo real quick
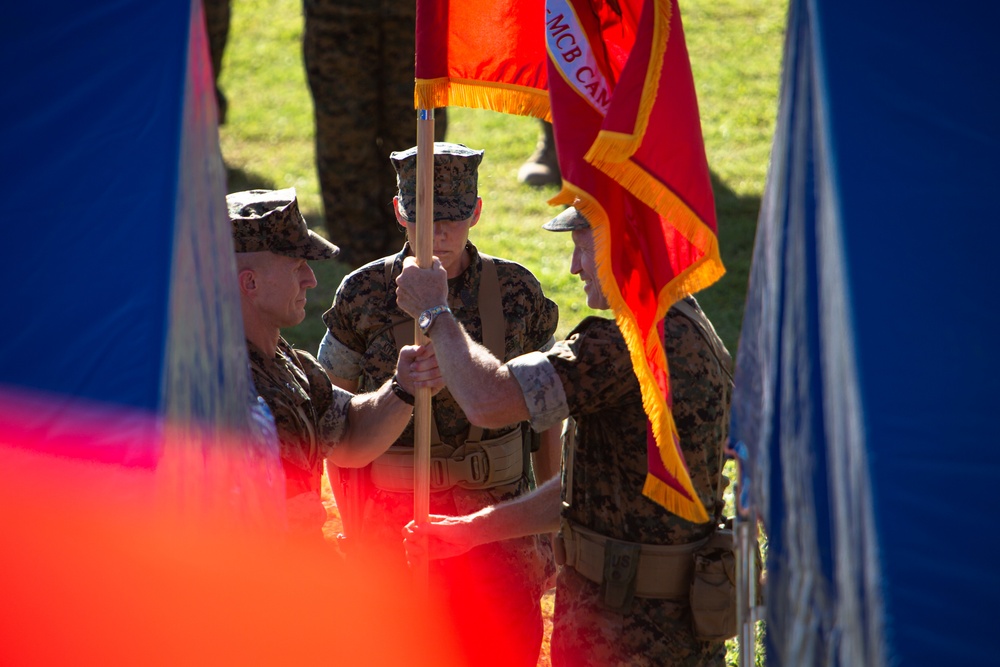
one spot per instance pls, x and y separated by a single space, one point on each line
374 422
547 460
487 393
450 536
531 514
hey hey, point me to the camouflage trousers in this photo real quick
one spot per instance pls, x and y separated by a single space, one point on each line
359 64
653 633
217 26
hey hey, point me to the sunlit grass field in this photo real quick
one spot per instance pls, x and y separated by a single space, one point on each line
735 49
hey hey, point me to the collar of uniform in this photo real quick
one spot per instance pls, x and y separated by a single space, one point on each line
257 357
397 263
281 369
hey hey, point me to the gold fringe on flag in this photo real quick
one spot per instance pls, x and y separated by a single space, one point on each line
642 349
619 146
612 152
703 272
501 97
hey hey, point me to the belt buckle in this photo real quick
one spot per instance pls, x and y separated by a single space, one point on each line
438 473
478 467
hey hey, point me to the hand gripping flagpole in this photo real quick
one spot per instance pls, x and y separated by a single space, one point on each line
424 251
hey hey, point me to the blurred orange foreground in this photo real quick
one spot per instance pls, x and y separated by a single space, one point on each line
93 572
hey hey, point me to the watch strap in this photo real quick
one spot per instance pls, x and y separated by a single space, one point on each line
430 315
401 394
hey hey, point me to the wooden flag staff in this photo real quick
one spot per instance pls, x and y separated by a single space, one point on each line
424 250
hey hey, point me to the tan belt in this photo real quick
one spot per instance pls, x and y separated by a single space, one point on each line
663 571
475 465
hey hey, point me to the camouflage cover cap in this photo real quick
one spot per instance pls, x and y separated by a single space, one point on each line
456 180
567 221
270 220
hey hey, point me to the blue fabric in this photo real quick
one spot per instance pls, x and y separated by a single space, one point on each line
864 372
92 144
921 206
124 332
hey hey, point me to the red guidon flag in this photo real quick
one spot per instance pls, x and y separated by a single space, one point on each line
632 157
630 148
483 55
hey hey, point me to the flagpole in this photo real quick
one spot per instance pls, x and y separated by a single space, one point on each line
424 250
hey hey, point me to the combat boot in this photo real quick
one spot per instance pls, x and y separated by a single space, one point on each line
542 168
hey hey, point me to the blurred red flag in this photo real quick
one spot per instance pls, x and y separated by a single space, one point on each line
631 152
484 55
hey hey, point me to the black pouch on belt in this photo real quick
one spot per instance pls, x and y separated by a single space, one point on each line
621 564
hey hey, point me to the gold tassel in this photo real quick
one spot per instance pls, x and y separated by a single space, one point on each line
501 97
620 146
654 403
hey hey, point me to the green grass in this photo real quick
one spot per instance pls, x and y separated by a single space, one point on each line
735 48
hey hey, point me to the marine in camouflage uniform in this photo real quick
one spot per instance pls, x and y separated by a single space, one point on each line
594 370
359 63
502 580
313 418
309 412
589 377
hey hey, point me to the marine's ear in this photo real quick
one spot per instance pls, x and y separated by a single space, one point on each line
476 212
248 281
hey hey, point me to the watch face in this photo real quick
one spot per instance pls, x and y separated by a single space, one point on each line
426 318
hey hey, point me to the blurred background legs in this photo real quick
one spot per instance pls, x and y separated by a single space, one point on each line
217 24
542 168
359 64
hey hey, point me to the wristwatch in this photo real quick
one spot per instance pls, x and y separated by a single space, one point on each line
427 317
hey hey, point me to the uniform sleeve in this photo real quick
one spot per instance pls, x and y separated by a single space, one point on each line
546 312
588 372
594 367
531 316
333 420
330 402
338 359
542 389
343 346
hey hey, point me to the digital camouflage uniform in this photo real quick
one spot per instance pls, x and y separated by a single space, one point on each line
309 412
590 377
360 344
359 57
311 416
